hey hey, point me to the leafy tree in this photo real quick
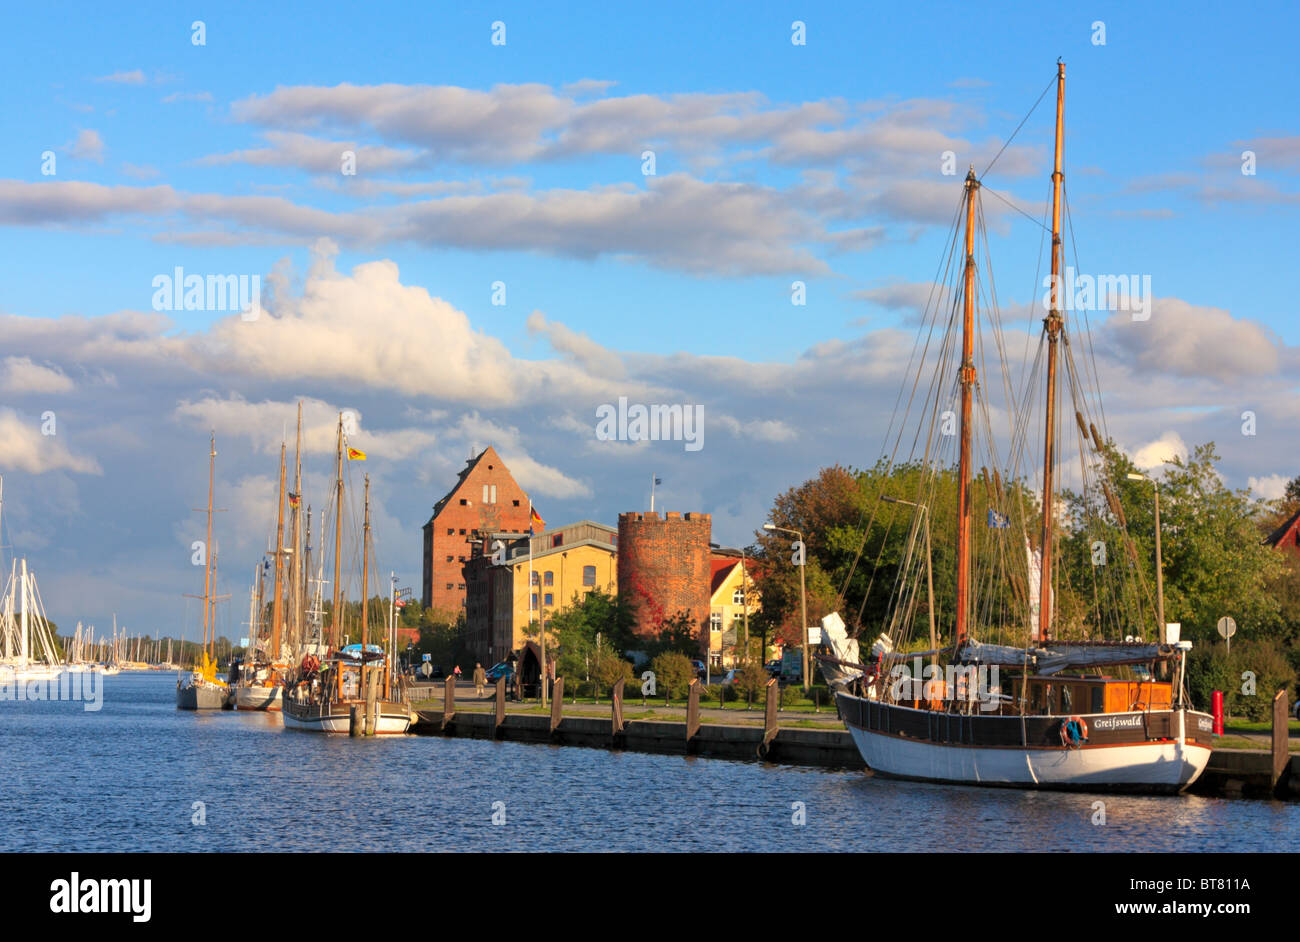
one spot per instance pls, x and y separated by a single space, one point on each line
673 673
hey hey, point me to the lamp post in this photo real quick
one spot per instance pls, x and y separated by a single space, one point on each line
1160 567
799 559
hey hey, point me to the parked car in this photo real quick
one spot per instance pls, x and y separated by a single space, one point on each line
499 670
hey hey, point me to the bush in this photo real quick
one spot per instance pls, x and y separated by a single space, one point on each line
673 673
1211 668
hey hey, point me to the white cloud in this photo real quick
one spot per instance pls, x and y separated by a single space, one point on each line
1271 487
1162 450
134 77
27 449
20 376
88 146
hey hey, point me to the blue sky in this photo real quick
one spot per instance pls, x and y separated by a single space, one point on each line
774 163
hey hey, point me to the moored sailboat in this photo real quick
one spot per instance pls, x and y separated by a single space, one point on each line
1042 710
354 688
200 688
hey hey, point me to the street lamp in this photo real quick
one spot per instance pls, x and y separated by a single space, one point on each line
1160 575
800 558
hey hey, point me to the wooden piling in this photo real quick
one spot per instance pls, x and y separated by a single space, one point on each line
1281 736
692 711
355 722
501 707
618 727
557 704
449 702
770 727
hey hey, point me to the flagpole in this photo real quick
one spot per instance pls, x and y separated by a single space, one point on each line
652 493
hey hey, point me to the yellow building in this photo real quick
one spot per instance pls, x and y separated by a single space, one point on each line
567 563
732 586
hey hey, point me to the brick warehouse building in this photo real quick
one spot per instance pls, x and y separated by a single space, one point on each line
486 499
663 565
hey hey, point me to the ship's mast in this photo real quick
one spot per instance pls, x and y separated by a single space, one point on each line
365 573
1053 325
295 563
207 556
277 605
967 379
338 538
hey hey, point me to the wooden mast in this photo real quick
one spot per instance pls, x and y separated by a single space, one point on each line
365 573
1053 325
277 609
966 376
295 561
207 554
338 540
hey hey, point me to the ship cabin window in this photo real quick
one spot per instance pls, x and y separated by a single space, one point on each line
1097 701
1067 700
1037 702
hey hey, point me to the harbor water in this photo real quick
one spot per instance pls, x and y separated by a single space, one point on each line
140 775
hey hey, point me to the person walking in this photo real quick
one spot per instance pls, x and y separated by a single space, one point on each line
480 679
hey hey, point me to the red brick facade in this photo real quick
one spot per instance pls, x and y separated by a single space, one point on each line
485 498
663 565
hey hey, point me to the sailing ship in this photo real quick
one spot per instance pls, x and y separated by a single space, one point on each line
1069 709
200 688
353 688
29 650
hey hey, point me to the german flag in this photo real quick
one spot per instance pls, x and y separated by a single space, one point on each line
535 519
294 499
356 454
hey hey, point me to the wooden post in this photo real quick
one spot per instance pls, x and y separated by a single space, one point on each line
1281 736
355 722
372 701
692 710
770 728
501 706
449 702
616 707
557 703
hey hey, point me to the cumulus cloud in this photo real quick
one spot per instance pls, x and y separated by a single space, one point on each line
27 449
20 376
1269 487
1154 454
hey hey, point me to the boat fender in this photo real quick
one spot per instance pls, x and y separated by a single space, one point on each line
1074 732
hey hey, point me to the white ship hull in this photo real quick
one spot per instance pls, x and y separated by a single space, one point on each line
1167 765
258 697
393 719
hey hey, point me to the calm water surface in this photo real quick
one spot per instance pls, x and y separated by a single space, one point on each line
127 778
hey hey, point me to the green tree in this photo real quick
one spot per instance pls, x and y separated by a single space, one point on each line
673 673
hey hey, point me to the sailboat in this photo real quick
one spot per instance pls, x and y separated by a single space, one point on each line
29 651
353 688
1069 709
200 688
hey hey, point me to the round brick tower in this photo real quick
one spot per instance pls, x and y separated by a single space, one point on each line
663 568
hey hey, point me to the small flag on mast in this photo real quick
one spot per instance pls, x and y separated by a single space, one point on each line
535 521
356 454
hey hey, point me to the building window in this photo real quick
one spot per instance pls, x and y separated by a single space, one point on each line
494 494
449 585
738 597
451 531
715 621
534 579
448 559
550 599
464 502
462 585
550 577
533 603
557 540
516 503
588 575
462 532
